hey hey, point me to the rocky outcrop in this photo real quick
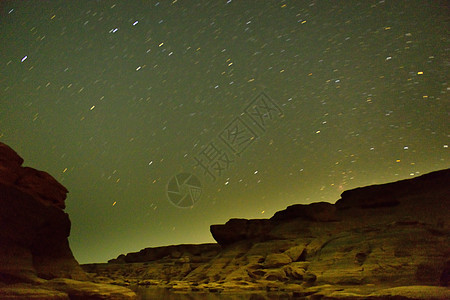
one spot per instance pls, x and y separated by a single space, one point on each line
33 239
425 198
34 231
241 229
34 228
154 264
388 241
38 184
319 212
405 192
193 252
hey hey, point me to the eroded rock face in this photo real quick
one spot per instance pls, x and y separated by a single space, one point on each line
189 252
394 193
39 184
34 231
241 229
34 227
382 242
10 164
33 239
320 212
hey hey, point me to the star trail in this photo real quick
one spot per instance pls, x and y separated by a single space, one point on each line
265 103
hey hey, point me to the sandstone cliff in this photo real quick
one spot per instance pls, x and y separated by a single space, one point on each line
35 257
388 241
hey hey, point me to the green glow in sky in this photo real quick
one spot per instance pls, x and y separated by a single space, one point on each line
115 98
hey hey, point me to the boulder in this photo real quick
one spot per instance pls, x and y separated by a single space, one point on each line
275 275
275 260
296 270
297 253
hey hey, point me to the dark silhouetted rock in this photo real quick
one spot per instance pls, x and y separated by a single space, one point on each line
34 231
34 228
42 187
39 184
392 194
241 229
10 165
194 252
320 212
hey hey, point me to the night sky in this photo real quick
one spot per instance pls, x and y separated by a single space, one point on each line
257 104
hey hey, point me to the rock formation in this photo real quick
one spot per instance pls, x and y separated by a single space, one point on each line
200 251
388 241
35 257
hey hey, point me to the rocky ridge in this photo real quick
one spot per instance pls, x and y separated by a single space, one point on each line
387 241
35 258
